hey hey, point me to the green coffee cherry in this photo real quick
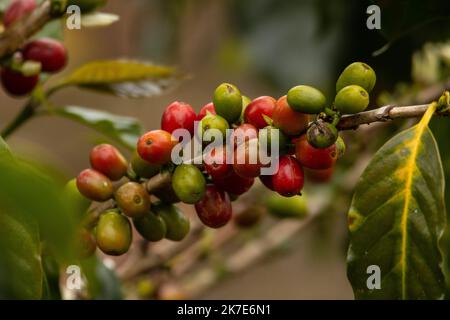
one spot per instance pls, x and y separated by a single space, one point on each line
212 121
351 99
340 147
143 168
282 207
358 73
188 183
177 223
306 99
151 226
322 134
74 196
228 102
132 199
113 233
266 134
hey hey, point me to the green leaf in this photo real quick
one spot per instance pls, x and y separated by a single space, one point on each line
131 79
125 130
397 218
4 149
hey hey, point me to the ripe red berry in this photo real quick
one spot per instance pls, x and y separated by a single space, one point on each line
16 10
204 111
267 181
16 84
106 159
245 132
214 210
320 175
216 163
178 115
94 185
49 52
156 146
257 108
314 158
234 184
246 161
289 179
287 120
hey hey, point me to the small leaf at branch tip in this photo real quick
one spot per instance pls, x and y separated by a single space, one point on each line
267 119
98 19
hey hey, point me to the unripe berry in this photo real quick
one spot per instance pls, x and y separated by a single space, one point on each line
143 168
178 115
166 194
208 108
188 183
322 134
258 110
94 185
106 159
18 9
314 158
306 99
282 207
287 120
244 133
132 199
49 52
156 146
351 99
246 162
216 164
274 138
74 196
150 226
113 233
16 84
288 180
357 73
210 123
177 223
228 102
214 209
234 184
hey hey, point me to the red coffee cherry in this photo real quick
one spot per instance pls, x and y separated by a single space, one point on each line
214 210
287 120
50 53
267 181
314 158
178 115
320 175
16 84
246 160
204 111
289 179
245 132
16 10
94 185
257 108
106 159
156 146
234 184
216 163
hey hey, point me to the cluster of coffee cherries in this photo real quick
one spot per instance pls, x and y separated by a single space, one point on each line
20 74
305 144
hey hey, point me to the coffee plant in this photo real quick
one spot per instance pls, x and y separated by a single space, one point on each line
396 220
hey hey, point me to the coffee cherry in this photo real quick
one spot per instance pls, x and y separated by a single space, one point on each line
319 176
16 84
306 99
258 109
178 115
246 162
132 199
150 226
85 245
244 133
188 183
357 73
156 147
314 158
113 233
340 147
322 134
216 164
267 181
269 132
18 9
208 108
212 122
143 168
282 207
234 184
287 120
214 209
94 185
228 102
177 223
106 159
249 217
288 180
71 194
351 99
50 53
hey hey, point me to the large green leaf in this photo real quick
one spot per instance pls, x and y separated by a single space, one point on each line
125 130
397 219
125 78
